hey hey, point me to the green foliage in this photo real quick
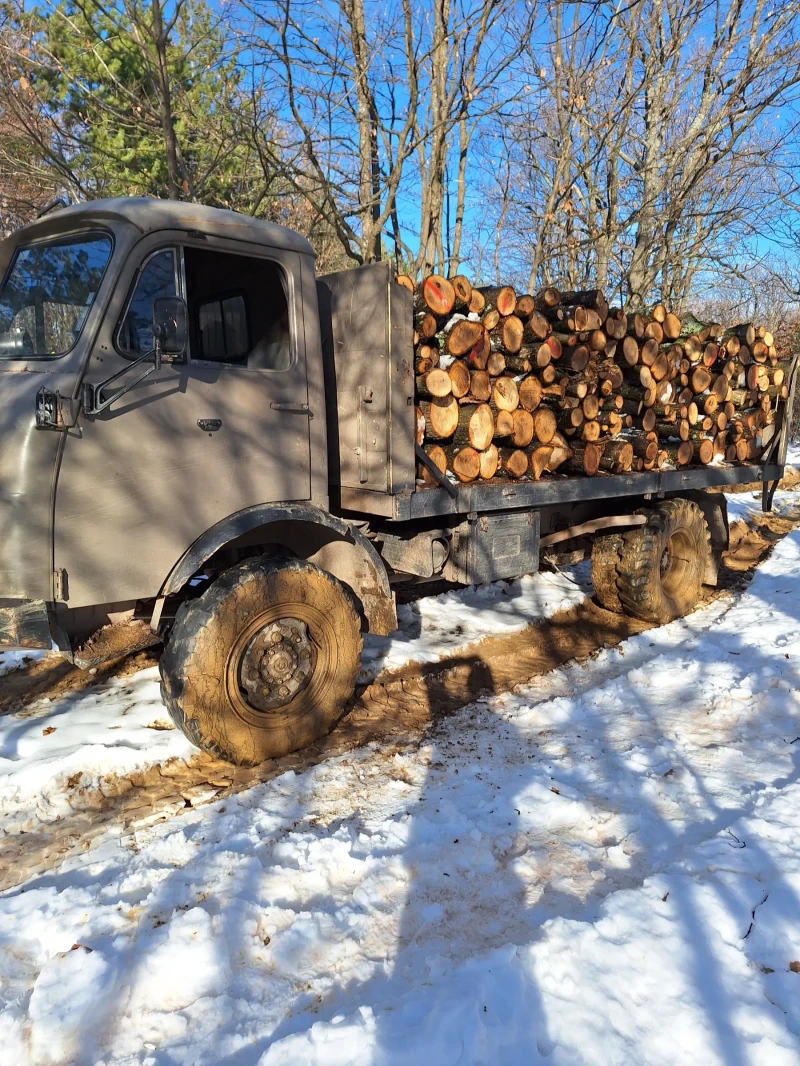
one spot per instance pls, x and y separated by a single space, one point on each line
98 76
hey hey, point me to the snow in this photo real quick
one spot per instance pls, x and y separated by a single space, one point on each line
432 628
112 729
601 868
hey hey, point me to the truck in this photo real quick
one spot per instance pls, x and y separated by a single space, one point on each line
207 446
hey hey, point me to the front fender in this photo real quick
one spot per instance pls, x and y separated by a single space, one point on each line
311 533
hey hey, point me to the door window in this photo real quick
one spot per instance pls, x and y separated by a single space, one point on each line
156 278
238 309
223 329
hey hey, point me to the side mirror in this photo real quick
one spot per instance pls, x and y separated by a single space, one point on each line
169 324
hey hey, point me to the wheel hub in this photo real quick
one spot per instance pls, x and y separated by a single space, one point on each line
276 664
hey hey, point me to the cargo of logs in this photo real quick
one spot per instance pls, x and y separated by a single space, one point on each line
521 386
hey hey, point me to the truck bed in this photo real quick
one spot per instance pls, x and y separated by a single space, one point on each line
427 502
367 329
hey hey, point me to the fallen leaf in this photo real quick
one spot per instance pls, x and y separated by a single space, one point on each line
50 729
794 967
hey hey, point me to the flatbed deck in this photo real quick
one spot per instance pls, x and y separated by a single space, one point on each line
513 495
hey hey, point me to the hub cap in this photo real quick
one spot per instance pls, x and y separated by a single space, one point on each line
276 664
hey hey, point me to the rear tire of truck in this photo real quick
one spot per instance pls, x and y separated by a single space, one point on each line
661 565
264 662
606 553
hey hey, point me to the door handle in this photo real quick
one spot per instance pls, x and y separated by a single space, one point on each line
298 408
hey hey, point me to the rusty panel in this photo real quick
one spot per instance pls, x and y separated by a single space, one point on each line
367 329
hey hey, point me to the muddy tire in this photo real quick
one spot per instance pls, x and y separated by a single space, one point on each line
661 566
262 663
606 553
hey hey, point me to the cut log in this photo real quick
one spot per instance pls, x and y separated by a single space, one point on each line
571 419
514 461
490 318
586 458
475 427
704 451
507 334
505 394
462 287
438 457
643 447
547 299
426 325
586 319
576 358
405 281
503 423
477 302
490 460
480 385
536 328
590 431
671 326
540 457
654 331
617 456
436 383
630 351
545 425
463 336
526 305
441 416
530 393
522 434
586 297
466 464
502 298
460 380
435 294
700 379
495 364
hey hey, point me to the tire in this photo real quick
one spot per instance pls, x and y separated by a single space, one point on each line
605 562
662 565
264 662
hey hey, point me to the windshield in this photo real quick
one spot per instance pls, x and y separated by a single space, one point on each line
47 294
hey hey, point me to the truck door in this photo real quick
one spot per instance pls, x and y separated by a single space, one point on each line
221 429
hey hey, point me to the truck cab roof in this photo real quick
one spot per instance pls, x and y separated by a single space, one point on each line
150 215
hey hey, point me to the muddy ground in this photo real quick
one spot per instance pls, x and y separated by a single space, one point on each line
394 712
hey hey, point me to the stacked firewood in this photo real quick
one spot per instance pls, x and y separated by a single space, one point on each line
520 386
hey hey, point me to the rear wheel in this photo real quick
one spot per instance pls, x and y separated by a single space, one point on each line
605 560
661 565
263 662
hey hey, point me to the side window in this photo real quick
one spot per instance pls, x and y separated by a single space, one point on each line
156 278
238 309
223 329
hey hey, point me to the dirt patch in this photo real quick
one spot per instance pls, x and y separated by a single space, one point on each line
54 677
392 712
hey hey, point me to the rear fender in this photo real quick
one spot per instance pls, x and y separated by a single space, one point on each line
308 533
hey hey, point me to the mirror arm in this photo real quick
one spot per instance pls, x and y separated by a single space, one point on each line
92 395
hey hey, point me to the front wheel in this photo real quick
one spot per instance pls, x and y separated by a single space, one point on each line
262 663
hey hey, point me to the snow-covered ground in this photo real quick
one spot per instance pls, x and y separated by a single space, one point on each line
599 868
434 627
